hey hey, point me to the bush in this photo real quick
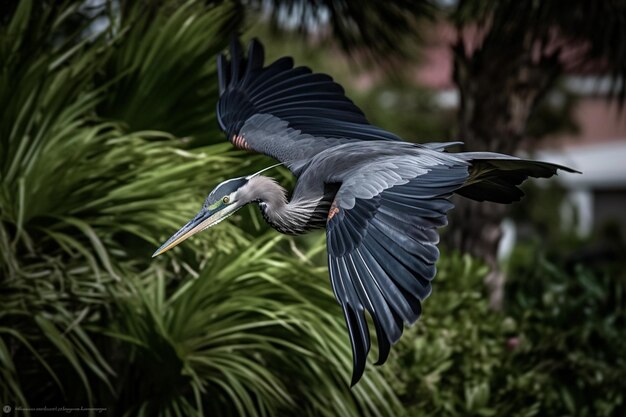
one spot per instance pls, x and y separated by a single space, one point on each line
448 360
573 329
558 349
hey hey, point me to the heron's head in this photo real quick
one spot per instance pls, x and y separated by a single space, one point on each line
222 202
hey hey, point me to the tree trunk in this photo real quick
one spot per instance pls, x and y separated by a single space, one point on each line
499 85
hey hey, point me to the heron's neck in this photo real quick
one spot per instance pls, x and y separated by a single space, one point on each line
294 217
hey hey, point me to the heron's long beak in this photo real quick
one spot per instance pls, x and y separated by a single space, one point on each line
202 220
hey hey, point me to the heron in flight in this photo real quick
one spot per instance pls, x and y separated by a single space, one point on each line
380 199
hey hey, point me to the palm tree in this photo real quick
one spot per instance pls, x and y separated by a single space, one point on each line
523 49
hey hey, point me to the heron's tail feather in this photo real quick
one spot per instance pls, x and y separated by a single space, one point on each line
495 177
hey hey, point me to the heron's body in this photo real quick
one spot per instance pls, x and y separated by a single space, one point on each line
380 199
320 177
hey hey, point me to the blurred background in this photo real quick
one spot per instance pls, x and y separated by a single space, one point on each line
109 143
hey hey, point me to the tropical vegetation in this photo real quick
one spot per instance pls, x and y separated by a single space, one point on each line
108 143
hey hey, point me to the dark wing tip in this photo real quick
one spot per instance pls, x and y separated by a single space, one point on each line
551 169
359 338
236 58
223 70
568 169
255 58
255 48
384 347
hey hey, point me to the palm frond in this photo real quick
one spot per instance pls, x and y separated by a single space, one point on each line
161 74
81 202
374 30
256 334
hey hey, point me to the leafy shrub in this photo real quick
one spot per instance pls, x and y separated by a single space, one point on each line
449 358
573 328
558 349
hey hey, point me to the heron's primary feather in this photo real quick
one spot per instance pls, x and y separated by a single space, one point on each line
310 103
381 239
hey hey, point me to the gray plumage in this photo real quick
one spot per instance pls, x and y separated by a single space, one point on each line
380 199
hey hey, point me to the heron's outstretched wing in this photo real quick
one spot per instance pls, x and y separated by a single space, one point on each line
382 238
291 104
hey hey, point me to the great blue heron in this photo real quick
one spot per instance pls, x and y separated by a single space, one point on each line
381 199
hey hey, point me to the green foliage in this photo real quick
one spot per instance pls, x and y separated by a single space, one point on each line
95 173
253 334
79 201
92 179
557 350
573 334
449 358
164 72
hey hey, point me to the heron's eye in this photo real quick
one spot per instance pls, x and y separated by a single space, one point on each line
226 200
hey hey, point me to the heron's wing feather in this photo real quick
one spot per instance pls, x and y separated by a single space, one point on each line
382 238
440 146
496 177
312 104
